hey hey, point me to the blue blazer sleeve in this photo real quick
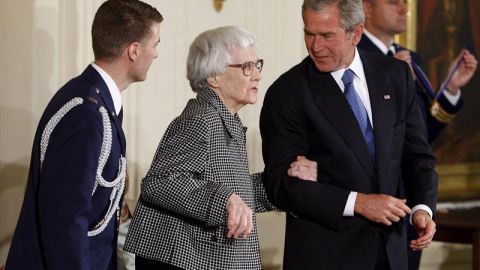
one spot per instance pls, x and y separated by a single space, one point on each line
65 192
436 113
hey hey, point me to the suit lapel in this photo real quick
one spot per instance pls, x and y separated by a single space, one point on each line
96 80
334 106
368 45
381 92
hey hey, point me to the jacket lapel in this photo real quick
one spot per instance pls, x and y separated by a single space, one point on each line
91 75
334 106
382 98
232 123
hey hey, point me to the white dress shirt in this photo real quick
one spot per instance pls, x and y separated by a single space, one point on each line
360 85
112 87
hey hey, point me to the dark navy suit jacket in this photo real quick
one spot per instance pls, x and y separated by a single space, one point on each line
305 113
434 126
58 207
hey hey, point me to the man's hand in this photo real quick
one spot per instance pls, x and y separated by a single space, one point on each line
464 73
404 55
381 208
303 168
239 221
425 227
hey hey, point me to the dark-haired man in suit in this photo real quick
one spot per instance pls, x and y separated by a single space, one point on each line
383 20
69 217
356 114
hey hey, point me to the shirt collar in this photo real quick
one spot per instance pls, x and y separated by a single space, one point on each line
379 43
112 88
356 66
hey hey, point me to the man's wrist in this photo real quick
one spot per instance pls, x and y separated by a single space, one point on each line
452 90
420 207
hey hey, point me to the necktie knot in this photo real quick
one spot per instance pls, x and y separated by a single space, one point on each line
392 49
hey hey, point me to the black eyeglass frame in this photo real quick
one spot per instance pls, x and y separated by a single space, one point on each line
247 67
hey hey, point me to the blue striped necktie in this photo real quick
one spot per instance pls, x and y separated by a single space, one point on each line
359 111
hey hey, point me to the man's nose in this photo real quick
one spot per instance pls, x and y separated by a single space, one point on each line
318 43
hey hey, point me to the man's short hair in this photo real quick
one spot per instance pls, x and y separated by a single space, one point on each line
351 11
118 23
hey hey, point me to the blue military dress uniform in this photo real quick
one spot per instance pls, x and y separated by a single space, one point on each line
69 217
437 112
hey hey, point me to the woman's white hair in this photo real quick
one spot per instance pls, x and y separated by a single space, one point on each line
211 52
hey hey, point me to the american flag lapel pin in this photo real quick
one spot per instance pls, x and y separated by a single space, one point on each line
386 97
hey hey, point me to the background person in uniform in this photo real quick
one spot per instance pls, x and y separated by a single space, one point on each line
77 171
383 20
356 115
198 201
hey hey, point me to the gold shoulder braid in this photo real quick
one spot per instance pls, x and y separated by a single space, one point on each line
440 114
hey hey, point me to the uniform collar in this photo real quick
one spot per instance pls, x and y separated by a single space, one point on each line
380 45
112 88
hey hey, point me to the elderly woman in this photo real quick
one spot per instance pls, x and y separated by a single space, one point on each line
198 201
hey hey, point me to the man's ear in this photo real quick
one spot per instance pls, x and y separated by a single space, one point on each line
367 9
357 33
133 51
213 82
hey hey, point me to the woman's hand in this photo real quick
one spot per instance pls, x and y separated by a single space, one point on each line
303 169
239 221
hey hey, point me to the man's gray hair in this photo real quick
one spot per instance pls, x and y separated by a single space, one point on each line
351 11
211 52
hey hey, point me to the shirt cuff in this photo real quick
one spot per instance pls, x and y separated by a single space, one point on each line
420 207
350 206
453 99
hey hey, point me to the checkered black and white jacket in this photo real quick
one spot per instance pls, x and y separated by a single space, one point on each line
181 218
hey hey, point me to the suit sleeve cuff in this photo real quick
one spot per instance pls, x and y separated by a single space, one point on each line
350 206
453 99
421 207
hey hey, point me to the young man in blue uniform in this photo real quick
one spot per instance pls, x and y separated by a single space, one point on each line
69 217
386 18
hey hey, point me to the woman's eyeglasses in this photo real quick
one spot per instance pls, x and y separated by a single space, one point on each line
248 67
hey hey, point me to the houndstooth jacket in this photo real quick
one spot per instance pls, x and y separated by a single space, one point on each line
181 218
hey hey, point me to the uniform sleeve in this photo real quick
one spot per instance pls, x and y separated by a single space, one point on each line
65 189
439 114
174 181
